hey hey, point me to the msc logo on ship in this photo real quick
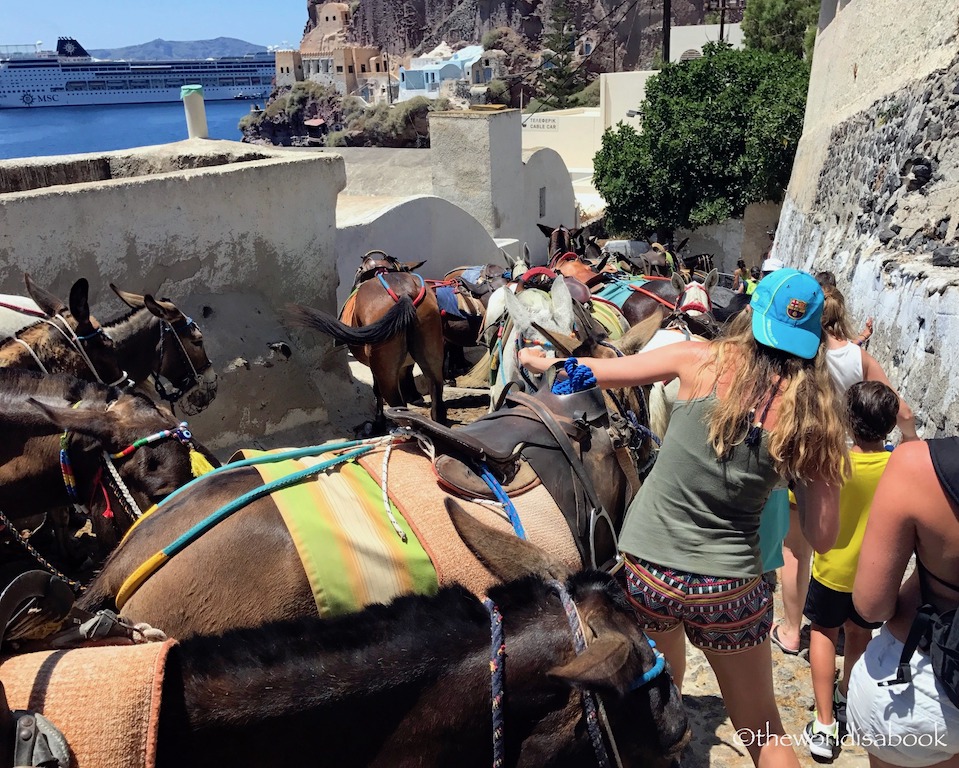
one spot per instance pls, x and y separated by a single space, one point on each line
28 98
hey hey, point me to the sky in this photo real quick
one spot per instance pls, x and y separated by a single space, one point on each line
117 23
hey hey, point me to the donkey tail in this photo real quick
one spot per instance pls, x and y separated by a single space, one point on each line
397 320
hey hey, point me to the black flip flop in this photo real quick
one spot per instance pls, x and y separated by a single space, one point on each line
774 637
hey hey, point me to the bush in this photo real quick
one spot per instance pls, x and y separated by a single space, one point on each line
492 39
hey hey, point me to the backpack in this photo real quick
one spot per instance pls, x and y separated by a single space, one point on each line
938 635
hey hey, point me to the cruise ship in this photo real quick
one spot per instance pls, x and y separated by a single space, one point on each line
71 77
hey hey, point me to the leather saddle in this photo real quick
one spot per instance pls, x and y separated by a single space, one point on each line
543 433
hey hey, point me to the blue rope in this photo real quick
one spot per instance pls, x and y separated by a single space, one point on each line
578 378
497 667
502 498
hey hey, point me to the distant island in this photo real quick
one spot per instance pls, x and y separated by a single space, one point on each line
160 50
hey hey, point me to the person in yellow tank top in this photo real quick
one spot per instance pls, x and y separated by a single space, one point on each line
872 407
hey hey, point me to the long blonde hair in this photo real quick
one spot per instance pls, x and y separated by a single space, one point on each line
809 439
835 320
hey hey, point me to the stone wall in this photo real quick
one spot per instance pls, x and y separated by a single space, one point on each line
874 194
229 233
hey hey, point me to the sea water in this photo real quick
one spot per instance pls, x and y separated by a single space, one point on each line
31 132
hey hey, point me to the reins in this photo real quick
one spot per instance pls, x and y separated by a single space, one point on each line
597 721
393 295
72 339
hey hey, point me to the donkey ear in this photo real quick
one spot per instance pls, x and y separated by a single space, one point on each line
604 664
412 266
711 280
677 282
165 310
506 555
80 302
574 233
45 300
132 300
558 341
79 420
548 231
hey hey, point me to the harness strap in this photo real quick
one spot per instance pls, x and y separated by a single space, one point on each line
419 297
660 299
33 354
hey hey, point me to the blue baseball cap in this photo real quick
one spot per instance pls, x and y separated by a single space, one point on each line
787 312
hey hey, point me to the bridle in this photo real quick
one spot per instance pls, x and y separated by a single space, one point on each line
73 340
177 390
597 722
694 306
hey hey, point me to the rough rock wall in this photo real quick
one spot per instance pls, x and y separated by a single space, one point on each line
874 194
408 25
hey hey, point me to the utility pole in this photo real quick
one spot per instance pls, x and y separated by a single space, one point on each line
389 79
722 19
667 16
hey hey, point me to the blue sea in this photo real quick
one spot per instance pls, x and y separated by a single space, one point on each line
67 130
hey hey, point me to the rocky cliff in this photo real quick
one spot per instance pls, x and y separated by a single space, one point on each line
875 189
416 25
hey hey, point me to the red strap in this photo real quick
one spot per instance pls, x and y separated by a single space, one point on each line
660 299
536 272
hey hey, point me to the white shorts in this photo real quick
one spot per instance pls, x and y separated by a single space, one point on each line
910 725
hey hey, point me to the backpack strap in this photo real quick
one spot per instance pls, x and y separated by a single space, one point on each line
919 631
944 454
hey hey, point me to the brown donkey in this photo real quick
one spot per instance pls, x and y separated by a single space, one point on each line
396 322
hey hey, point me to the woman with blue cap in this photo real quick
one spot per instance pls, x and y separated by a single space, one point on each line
756 407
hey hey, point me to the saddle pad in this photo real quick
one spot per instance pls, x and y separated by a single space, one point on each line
348 313
12 321
350 552
472 274
416 493
446 298
610 318
619 291
104 700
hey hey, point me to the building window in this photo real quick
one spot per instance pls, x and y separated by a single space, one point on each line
542 202
362 67
339 69
377 67
350 68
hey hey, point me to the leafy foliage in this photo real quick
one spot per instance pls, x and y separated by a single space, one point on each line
781 26
719 133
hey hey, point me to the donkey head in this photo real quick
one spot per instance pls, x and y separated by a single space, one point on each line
647 719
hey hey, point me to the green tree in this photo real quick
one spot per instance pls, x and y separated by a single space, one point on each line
781 26
561 75
718 133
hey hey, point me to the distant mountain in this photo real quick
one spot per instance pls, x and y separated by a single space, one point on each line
172 49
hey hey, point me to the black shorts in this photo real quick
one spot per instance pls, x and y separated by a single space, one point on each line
830 608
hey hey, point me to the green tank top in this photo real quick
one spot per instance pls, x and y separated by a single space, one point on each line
751 286
695 512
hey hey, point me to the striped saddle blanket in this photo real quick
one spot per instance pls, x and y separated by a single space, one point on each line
350 551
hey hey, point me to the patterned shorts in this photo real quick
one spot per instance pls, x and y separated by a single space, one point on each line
721 615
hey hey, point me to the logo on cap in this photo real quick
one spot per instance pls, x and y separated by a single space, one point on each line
796 309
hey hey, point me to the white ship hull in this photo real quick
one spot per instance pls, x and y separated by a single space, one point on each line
70 78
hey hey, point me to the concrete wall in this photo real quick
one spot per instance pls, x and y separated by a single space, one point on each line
622 92
411 229
875 188
544 170
232 233
684 40
476 164
575 134
377 171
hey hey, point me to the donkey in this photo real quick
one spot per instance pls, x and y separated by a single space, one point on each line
64 339
71 442
156 339
577 683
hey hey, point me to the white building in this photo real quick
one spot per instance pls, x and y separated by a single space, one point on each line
426 73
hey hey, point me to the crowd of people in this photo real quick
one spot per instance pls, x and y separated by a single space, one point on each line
777 456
